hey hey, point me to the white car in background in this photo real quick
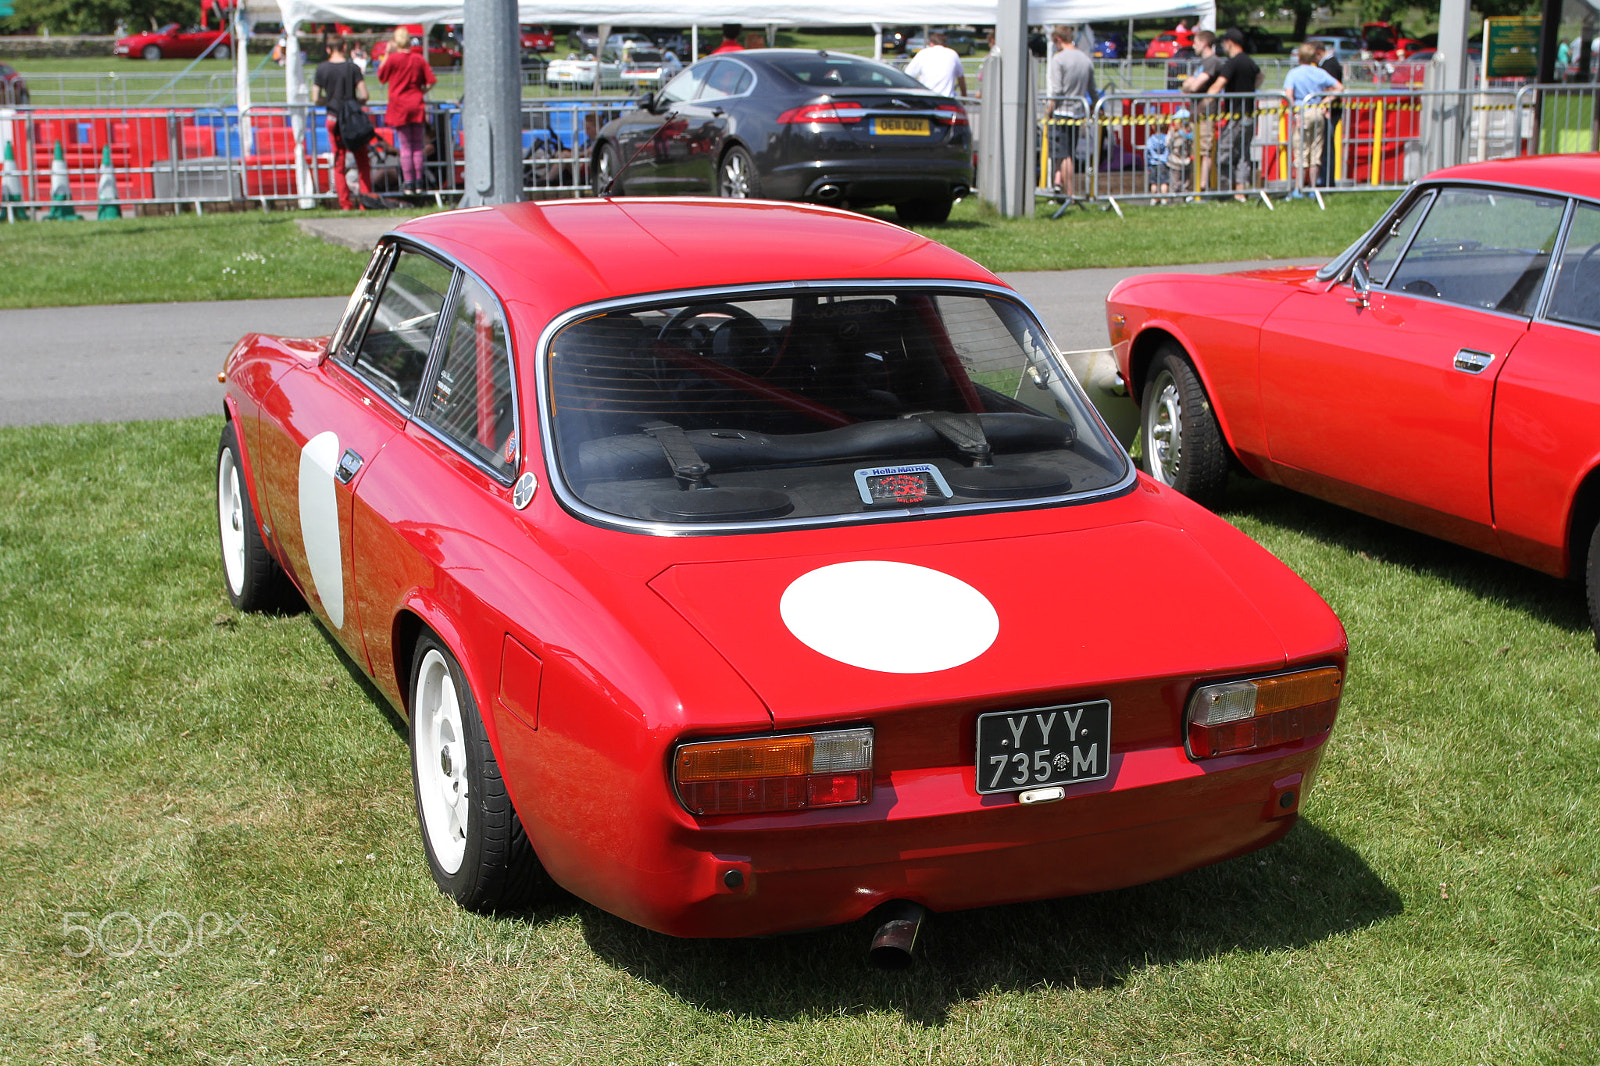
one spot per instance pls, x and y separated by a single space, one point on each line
647 68
580 72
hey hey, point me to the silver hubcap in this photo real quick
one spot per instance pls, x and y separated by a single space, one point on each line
230 520
603 173
1164 431
441 762
736 176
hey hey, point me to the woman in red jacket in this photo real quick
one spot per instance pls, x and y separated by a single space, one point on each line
408 76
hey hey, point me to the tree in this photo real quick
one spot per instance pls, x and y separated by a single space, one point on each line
98 16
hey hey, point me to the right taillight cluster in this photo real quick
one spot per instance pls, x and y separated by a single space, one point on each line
1262 712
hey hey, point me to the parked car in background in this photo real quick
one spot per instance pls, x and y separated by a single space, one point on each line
173 42
647 68
1387 42
1260 42
443 50
585 71
698 568
1411 71
13 86
959 39
1443 373
793 124
1165 46
537 39
1344 49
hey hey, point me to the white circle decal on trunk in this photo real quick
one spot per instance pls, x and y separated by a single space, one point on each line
893 617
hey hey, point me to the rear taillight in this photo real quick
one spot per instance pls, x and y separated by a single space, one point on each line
1263 712
954 114
839 111
784 773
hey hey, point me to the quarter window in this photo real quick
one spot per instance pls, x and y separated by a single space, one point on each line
470 401
394 352
1386 253
1575 297
1482 248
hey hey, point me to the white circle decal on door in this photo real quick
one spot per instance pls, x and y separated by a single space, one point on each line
319 523
893 617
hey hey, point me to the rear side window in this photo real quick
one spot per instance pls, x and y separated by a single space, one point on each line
828 72
470 401
394 352
1482 248
1575 298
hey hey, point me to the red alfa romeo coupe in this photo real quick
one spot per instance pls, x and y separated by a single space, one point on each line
745 567
1442 374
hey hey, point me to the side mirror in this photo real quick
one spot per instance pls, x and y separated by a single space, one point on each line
1361 282
647 102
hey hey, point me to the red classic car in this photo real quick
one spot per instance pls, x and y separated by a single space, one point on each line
749 587
1442 374
173 42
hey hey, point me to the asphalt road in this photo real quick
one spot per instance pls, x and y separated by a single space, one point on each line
130 362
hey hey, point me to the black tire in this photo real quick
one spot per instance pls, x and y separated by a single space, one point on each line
736 175
250 574
1592 585
1183 447
151 52
607 171
222 51
477 851
923 212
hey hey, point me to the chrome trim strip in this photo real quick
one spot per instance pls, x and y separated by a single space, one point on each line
576 506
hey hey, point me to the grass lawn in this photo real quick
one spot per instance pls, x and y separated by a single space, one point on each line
209 852
258 254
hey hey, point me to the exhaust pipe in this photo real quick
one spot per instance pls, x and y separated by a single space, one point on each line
892 944
960 192
829 192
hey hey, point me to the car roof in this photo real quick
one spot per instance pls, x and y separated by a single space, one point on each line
549 257
1577 174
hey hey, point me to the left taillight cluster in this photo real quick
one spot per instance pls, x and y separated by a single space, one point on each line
794 772
1263 712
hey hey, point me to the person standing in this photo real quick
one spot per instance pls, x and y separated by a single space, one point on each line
1308 87
409 77
339 83
939 68
1071 85
1205 43
730 39
1239 77
1329 62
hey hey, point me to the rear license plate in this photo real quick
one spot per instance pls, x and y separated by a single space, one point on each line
903 127
1045 746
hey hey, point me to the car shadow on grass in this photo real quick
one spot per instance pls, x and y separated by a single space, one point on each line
1543 598
1305 888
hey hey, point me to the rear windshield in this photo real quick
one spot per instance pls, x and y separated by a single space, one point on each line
828 72
817 405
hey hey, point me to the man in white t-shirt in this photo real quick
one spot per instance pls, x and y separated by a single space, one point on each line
939 68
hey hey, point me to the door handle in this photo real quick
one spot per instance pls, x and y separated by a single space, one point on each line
1472 361
349 463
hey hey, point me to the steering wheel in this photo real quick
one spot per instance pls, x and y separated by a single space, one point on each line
730 335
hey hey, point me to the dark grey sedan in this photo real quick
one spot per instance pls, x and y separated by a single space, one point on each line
791 124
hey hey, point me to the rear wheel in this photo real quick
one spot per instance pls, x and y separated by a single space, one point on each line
923 211
221 51
151 52
477 851
1183 447
737 177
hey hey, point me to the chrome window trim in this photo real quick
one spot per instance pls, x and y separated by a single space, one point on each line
1552 268
595 516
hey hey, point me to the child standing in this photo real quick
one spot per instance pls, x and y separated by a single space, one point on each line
1180 150
1156 155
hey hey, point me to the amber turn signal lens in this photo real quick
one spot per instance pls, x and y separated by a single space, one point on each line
785 773
1262 712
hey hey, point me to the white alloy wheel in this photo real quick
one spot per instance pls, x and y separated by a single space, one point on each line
230 520
441 762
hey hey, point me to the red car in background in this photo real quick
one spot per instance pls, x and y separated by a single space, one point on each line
719 582
537 39
1164 46
1442 374
1387 42
173 42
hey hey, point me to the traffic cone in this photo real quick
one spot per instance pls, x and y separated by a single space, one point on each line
11 186
107 193
60 187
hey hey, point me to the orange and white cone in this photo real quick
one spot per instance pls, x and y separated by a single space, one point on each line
60 187
11 186
107 192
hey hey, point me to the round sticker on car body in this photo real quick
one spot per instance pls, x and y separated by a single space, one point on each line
895 618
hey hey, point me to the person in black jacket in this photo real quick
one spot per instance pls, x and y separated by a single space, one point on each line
340 82
1330 63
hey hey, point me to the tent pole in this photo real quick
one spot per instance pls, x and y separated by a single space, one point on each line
694 43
